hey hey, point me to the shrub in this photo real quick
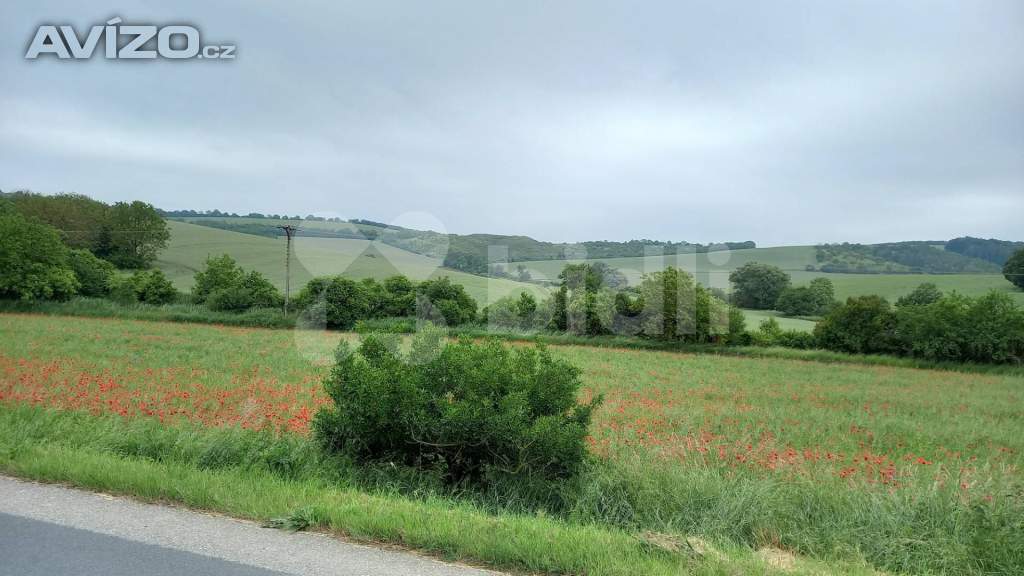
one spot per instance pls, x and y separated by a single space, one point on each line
675 307
95 275
864 324
224 286
152 287
926 293
514 312
758 286
961 329
796 339
341 301
33 260
440 299
1013 270
799 301
219 273
472 411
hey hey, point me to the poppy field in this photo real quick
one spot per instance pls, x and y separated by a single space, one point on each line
758 451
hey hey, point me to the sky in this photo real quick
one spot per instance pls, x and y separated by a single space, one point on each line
778 122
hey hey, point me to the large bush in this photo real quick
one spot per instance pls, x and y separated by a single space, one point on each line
673 306
468 410
224 286
758 286
95 275
337 300
962 329
864 324
33 259
442 300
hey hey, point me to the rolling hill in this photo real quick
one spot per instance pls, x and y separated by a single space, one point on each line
190 245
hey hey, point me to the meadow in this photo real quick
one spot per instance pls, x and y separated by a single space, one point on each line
191 244
881 468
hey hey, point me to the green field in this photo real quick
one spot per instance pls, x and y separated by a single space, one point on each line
191 244
713 269
908 471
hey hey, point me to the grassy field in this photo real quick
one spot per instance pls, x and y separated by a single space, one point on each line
905 470
713 269
191 244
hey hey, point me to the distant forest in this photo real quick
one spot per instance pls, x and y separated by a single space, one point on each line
958 256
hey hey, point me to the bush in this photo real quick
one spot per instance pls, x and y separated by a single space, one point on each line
440 299
1013 270
152 287
926 293
219 273
224 286
33 260
675 307
799 301
758 286
515 312
961 329
95 275
340 301
470 411
863 325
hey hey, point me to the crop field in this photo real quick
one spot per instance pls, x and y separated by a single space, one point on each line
191 244
837 462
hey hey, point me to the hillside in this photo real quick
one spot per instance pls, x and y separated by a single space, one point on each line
190 245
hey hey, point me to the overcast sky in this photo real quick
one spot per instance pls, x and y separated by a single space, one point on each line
779 122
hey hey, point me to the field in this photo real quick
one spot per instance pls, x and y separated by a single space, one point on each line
904 470
713 269
191 244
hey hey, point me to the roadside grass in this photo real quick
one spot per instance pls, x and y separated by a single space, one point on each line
913 471
281 480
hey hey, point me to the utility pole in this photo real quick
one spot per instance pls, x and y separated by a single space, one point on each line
289 231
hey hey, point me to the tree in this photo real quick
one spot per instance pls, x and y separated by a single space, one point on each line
341 301
442 299
219 273
1013 270
758 286
137 234
824 294
675 307
95 275
33 260
863 325
80 219
926 293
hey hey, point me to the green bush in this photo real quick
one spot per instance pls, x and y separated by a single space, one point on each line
863 325
33 260
339 301
95 275
146 286
469 411
442 300
758 286
962 329
225 286
926 293
812 300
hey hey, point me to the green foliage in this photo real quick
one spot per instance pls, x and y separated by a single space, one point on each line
812 300
1014 269
386 325
95 275
517 313
33 260
926 293
470 411
394 297
863 325
80 219
758 286
737 334
992 250
963 329
895 257
224 286
146 286
442 300
135 235
675 307
336 300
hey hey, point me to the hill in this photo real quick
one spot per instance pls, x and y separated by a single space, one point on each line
190 245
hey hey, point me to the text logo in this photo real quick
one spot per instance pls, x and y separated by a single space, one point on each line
125 42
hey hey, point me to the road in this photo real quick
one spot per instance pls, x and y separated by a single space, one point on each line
51 530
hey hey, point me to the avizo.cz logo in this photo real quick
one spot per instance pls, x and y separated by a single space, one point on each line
126 42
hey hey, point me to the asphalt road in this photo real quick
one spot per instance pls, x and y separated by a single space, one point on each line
53 531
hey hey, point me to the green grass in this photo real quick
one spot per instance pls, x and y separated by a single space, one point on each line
191 244
743 452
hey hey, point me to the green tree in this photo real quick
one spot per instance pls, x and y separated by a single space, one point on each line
95 275
218 273
33 259
926 293
339 301
798 301
440 298
675 307
80 219
1013 270
758 286
137 234
863 325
